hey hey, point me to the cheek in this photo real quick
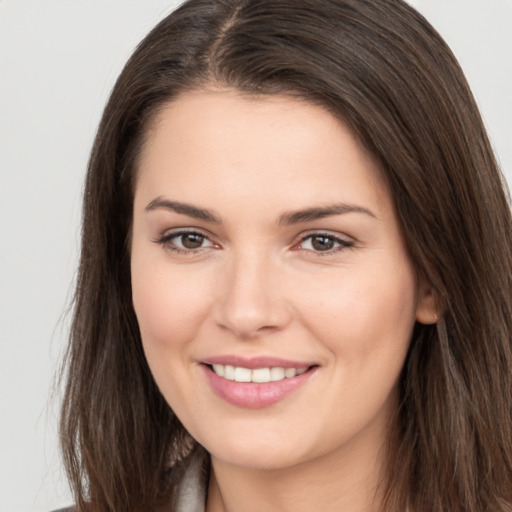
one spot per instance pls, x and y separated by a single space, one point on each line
169 304
170 307
366 315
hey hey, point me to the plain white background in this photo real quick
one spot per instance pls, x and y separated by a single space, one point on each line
58 62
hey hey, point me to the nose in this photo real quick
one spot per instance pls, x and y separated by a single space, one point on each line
251 300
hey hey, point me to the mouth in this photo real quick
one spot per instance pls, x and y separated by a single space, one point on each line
256 375
256 383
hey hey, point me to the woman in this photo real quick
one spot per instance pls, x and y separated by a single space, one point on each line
294 290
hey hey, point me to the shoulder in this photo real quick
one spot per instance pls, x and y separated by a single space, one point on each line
191 488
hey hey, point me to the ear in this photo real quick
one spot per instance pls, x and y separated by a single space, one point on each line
428 310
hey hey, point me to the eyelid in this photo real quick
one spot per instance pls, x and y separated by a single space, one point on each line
166 239
344 242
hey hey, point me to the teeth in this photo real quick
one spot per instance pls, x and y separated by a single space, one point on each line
276 374
229 372
259 375
242 374
290 372
219 369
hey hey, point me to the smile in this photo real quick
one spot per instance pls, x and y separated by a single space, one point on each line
257 382
256 375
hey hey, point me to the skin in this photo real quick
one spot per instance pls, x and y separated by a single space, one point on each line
257 286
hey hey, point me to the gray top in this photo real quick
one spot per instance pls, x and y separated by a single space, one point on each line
192 490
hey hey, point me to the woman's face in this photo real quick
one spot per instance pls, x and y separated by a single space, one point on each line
274 293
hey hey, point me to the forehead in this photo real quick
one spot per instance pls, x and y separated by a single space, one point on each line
211 114
286 146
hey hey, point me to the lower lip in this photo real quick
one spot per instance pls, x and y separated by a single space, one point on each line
255 395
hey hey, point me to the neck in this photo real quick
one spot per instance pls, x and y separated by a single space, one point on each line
345 480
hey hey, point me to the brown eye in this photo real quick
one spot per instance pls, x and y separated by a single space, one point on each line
186 242
192 240
322 242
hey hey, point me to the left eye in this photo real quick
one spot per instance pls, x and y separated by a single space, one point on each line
190 240
323 243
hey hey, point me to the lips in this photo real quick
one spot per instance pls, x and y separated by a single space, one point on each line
256 375
257 382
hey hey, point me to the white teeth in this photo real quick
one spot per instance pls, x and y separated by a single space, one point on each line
276 374
290 372
242 374
219 369
229 372
259 375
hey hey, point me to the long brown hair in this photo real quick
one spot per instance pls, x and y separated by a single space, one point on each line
385 72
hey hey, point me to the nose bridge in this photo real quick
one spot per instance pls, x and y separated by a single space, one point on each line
251 301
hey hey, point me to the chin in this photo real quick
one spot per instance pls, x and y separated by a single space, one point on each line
256 457
263 449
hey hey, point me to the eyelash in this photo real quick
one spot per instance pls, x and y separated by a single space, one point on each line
342 244
166 241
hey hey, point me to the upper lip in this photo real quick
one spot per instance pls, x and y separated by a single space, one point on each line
255 362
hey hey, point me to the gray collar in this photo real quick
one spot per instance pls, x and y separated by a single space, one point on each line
192 489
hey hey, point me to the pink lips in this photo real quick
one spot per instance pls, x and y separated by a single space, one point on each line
253 395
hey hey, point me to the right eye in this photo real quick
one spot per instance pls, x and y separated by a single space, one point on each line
185 241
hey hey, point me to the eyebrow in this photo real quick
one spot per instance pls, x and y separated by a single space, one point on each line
184 209
286 219
321 212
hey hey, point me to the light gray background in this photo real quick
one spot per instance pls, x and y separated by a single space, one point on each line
58 61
